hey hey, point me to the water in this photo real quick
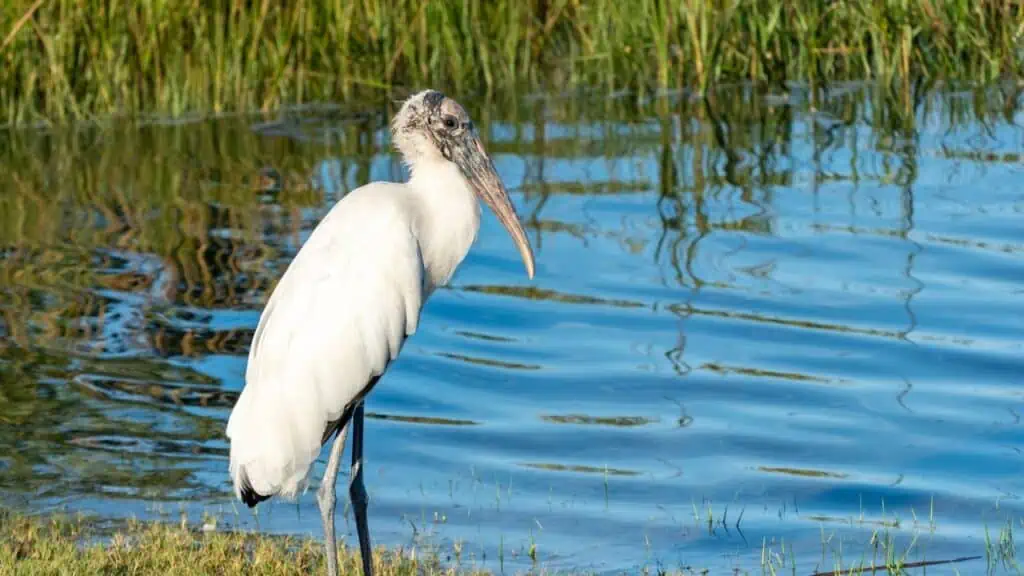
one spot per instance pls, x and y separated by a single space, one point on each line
798 319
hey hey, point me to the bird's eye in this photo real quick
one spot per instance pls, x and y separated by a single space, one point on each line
450 122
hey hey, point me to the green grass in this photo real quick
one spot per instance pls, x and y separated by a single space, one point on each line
68 59
57 545
61 545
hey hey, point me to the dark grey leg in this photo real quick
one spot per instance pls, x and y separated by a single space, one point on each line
357 491
326 498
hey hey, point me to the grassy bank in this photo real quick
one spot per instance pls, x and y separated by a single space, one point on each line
33 546
64 59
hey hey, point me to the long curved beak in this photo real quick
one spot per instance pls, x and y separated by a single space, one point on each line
478 168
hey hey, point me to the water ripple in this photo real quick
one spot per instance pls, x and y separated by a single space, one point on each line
752 322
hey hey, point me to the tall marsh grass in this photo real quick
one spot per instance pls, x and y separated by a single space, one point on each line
66 59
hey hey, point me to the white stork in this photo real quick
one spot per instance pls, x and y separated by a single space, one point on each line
348 301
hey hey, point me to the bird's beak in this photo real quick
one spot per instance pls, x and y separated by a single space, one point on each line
478 168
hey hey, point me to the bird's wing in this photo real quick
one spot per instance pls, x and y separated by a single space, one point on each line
339 315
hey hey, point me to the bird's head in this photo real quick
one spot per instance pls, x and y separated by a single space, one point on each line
430 127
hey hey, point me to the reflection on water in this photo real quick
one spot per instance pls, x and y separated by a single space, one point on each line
802 317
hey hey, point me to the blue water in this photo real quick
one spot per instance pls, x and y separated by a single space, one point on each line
798 318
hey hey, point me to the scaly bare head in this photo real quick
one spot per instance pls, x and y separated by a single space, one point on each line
430 127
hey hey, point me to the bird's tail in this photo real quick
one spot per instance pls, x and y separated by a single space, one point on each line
267 461
245 491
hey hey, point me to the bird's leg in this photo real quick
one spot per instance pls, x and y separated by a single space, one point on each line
357 491
326 498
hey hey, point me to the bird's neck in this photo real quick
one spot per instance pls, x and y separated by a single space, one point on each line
449 218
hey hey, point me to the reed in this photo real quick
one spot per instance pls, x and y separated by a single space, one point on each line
62 60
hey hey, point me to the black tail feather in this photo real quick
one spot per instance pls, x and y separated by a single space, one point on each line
250 496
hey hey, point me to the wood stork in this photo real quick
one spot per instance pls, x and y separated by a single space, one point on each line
348 301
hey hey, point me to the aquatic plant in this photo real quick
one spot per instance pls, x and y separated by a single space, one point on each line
68 59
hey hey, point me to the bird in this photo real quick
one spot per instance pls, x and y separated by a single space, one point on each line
347 302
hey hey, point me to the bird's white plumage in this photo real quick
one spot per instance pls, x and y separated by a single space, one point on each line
340 314
348 301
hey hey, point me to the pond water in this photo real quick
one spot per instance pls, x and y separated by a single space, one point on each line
764 328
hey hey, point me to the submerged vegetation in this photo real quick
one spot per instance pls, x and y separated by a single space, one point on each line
67 59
